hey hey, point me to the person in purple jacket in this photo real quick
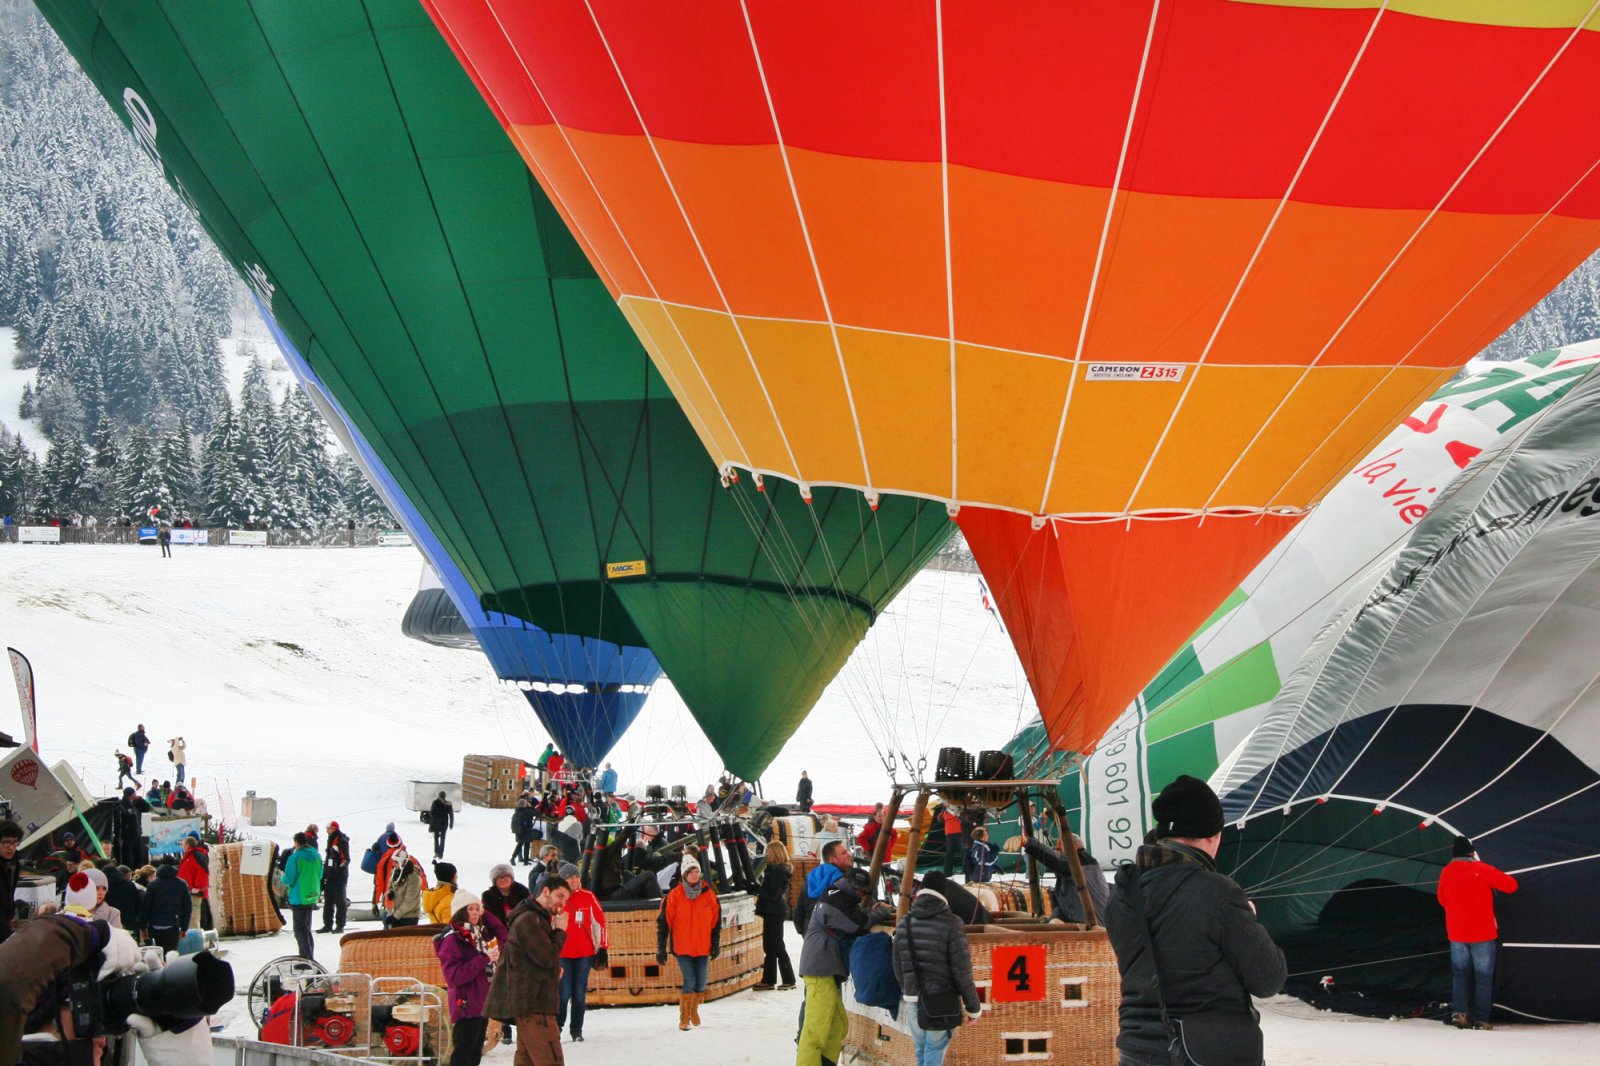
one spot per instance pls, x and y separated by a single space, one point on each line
467 953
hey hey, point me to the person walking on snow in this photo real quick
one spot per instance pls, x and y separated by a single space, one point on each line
178 753
1466 892
302 881
441 819
139 741
125 770
403 896
772 904
689 927
164 538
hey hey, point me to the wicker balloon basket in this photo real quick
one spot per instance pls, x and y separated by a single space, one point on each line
801 865
633 978
1066 1014
403 952
241 903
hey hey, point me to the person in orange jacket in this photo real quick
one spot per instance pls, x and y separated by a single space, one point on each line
690 927
1466 892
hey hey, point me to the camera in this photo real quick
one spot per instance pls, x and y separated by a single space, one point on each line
192 986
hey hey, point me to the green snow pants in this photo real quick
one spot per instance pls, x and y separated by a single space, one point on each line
822 1036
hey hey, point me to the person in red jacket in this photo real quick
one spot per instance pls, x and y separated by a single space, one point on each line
195 871
585 946
1466 892
868 836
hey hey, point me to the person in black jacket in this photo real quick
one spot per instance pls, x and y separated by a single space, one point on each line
802 795
1068 904
772 903
125 896
504 893
441 819
139 741
335 880
166 910
931 955
1211 953
10 871
522 831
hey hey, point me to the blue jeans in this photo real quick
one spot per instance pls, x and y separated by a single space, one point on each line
574 989
694 969
931 1044
1472 978
180 773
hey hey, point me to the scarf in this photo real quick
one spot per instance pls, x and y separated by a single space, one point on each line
691 891
1168 852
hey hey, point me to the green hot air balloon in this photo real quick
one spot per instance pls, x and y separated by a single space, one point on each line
345 163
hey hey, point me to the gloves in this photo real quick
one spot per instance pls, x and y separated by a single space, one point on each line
661 958
881 914
121 954
602 958
715 952
164 1047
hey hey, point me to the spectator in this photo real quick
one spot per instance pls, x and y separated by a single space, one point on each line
335 880
403 891
167 908
933 963
608 780
585 946
522 831
527 983
302 881
139 741
125 896
10 871
985 856
441 819
802 795
178 752
1187 940
467 954
102 911
504 894
955 839
195 871
125 770
689 928
1466 892
836 921
438 902
1068 907
772 904
554 765
867 839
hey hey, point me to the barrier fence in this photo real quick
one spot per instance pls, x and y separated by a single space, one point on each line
189 538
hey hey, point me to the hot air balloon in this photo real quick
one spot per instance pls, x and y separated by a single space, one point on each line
1209 697
1128 285
585 692
345 164
1455 693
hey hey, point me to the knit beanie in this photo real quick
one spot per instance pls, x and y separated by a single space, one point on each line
80 891
462 900
1187 808
1462 848
689 861
96 877
444 871
568 871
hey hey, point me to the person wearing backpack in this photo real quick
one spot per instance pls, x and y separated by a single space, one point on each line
139 741
933 964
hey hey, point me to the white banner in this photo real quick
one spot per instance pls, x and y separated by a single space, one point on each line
189 536
31 789
393 538
38 534
23 670
255 538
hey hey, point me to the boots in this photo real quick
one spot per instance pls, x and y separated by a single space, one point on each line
694 1007
684 1008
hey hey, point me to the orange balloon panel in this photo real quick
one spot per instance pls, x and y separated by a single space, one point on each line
1095 609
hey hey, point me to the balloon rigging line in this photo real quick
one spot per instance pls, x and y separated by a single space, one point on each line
949 267
1393 262
805 232
1100 252
1391 860
1266 234
1373 962
1537 810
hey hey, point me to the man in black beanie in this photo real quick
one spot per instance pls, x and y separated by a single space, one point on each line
1210 953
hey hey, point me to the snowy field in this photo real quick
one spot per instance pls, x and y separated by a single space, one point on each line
286 673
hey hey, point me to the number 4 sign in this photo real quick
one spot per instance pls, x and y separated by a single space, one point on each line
1017 974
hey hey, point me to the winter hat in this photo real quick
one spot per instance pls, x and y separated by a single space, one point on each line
333 827
96 877
688 862
499 870
567 870
401 858
67 838
80 892
1187 808
444 871
1462 848
462 900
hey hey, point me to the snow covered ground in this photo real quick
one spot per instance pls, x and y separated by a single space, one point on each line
286 673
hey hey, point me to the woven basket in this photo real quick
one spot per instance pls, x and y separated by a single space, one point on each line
403 952
801 865
1076 1022
241 905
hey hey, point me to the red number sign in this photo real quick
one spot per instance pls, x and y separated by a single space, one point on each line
1017 974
